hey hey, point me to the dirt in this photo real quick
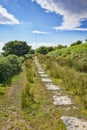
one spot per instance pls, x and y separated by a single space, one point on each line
11 112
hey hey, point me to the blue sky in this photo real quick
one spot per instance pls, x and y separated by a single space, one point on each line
43 22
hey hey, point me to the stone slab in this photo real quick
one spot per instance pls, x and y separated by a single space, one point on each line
46 80
41 72
52 87
43 75
62 100
40 69
73 123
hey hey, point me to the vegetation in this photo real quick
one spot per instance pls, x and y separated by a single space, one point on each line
27 95
27 104
37 103
19 48
73 56
44 50
76 43
60 46
9 66
74 82
27 100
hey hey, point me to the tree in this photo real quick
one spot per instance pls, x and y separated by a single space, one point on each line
50 48
18 48
76 43
60 46
42 50
86 39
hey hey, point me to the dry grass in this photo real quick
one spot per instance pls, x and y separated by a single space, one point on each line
74 83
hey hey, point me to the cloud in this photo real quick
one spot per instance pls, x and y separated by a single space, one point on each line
1 46
7 18
72 11
39 32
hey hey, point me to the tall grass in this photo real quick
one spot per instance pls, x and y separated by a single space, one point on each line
73 57
74 82
37 102
27 98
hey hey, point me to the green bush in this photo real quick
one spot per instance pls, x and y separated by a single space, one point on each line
9 66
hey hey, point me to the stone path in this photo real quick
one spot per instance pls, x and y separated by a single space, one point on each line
72 123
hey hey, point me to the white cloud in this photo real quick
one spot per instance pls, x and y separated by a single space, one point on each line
7 18
39 32
1 46
72 11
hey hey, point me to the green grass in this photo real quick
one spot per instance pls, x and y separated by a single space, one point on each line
74 83
76 52
73 56
37 103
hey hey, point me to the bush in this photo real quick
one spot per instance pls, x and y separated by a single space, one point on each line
76 43
9 66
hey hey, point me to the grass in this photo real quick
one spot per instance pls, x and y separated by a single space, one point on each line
78 51
39 109
30 106
74 83
73 56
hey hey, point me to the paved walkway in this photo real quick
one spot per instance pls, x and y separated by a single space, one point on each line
72 123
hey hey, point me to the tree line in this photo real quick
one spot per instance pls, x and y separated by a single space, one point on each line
15 52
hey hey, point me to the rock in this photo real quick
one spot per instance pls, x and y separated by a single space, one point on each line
43 75
46 80
52 87
41 72
62 100
73 123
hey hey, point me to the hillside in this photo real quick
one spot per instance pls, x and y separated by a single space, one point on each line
73 56
76 52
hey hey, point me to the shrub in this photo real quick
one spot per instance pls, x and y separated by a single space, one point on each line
76 43
9 66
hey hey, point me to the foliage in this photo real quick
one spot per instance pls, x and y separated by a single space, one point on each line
9 66
27 56
44 50
73 56
32 51
76 43
18 48
60 46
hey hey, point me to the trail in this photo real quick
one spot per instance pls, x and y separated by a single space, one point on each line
59 99
11 109
12 114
